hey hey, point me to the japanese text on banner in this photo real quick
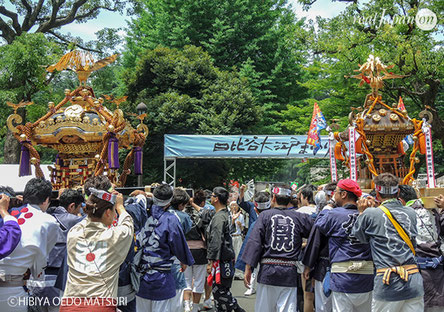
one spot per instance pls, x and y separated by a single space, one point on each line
353 162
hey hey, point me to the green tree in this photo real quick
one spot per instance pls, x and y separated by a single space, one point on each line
261 37
24 77
416 53
339 44
49 16
186 94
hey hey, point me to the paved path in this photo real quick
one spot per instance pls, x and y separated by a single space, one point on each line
238 289
247 303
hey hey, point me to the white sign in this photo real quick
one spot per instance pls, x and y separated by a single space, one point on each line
9 176
333 169
429 156
352 152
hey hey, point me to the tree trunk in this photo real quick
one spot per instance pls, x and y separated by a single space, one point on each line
438 127
11 150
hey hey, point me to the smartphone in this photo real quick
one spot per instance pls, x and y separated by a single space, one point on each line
190 192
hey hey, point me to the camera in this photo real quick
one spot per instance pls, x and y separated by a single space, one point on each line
14 202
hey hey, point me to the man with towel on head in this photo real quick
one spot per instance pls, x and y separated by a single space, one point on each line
39 236
276 243
161 240
391 231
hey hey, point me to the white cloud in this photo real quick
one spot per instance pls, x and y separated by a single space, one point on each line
87 30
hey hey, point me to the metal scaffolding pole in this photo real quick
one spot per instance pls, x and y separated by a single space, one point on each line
169 171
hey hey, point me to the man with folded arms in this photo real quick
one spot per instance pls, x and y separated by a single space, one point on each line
391 230
351 261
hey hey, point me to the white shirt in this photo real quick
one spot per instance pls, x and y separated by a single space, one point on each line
39 236
240 219
310 210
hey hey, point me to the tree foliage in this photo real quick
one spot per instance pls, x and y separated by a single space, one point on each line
23 77
229 67
261 37
186 94
380 28
416 53
43 16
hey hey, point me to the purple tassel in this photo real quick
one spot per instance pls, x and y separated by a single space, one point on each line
57 160
25 165
113 152
138 160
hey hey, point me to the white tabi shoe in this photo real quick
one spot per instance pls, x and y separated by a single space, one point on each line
249 292
207 304
188 305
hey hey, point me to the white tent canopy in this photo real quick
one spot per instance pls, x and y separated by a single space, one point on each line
9 176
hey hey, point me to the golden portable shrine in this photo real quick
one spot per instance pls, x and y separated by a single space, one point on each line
86 134
380 129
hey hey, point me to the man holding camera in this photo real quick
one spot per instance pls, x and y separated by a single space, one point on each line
10 232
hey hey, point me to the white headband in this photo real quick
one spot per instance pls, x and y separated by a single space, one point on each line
103 195
281 191
161 202
263 206
388 190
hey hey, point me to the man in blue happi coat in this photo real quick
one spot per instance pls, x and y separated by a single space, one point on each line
276 243
262 202
160 240
351 261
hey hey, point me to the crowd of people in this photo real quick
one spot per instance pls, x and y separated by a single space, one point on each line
327 248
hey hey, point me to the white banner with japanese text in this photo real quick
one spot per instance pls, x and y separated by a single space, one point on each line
242 146
333 169
431 182
352 153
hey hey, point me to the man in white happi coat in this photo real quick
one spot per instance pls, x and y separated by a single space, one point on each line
39 236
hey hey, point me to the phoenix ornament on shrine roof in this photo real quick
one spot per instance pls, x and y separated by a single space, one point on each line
82 63
373 72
